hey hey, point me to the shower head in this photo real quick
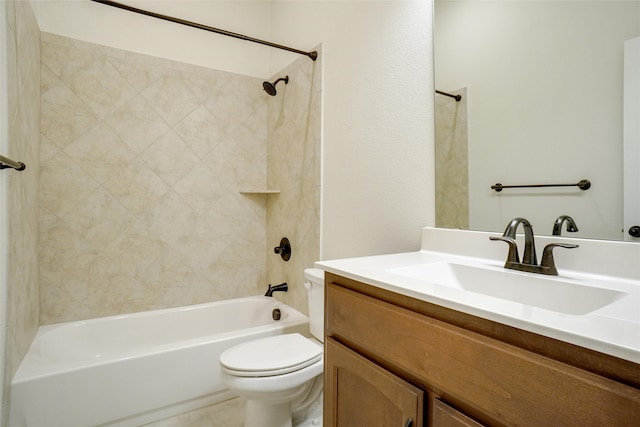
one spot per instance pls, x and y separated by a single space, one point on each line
270 88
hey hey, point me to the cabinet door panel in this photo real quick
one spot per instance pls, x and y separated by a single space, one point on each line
361 393
446 416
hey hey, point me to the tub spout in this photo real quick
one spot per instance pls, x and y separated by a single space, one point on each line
282 287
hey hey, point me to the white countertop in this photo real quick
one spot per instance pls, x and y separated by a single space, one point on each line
613 329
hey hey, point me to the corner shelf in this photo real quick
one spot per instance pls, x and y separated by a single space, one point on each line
260 191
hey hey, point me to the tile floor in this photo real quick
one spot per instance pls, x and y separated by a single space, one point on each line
226 414
229 414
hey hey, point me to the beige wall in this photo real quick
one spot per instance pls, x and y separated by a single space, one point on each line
23 66
109 26
143 160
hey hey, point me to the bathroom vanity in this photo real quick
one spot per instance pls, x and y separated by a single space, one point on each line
400 353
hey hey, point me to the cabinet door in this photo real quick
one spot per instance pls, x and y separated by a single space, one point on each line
359 393
445 416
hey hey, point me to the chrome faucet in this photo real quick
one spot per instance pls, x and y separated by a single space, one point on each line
529 260
571 225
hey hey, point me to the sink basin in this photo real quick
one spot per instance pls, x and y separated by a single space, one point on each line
553 294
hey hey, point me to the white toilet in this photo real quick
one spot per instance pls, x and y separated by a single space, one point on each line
280 376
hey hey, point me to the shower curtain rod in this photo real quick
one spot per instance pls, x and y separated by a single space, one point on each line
313 55
456 97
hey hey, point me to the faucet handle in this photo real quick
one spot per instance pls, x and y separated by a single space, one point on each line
512 256
548 265
284 249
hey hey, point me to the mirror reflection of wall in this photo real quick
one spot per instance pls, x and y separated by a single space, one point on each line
452 177
544 81
631 140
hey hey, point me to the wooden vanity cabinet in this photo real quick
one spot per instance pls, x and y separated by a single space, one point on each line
390 359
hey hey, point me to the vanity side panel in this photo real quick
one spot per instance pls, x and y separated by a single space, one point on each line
496 383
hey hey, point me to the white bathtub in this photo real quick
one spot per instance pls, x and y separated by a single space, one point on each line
137 368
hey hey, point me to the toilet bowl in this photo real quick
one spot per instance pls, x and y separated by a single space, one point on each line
280 376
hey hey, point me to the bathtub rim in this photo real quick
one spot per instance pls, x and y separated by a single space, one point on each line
31 367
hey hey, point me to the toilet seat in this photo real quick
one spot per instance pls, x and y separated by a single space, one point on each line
271 356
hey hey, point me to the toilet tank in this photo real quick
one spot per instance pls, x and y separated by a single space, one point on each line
314 282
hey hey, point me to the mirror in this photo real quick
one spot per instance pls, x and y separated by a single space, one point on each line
542 85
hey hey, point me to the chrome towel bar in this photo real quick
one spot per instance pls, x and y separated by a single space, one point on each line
8 163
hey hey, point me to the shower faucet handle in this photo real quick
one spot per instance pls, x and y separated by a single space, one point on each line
284 249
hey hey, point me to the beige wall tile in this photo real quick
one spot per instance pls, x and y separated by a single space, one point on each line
294 167
202 131
137 123
64 116
101 87
99 152
136 186
170 158
171 97
62 59
64 185
139 191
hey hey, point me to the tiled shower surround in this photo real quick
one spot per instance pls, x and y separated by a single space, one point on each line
142 163
23 72
293 159
452 171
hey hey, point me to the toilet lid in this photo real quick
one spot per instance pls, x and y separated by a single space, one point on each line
275 355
